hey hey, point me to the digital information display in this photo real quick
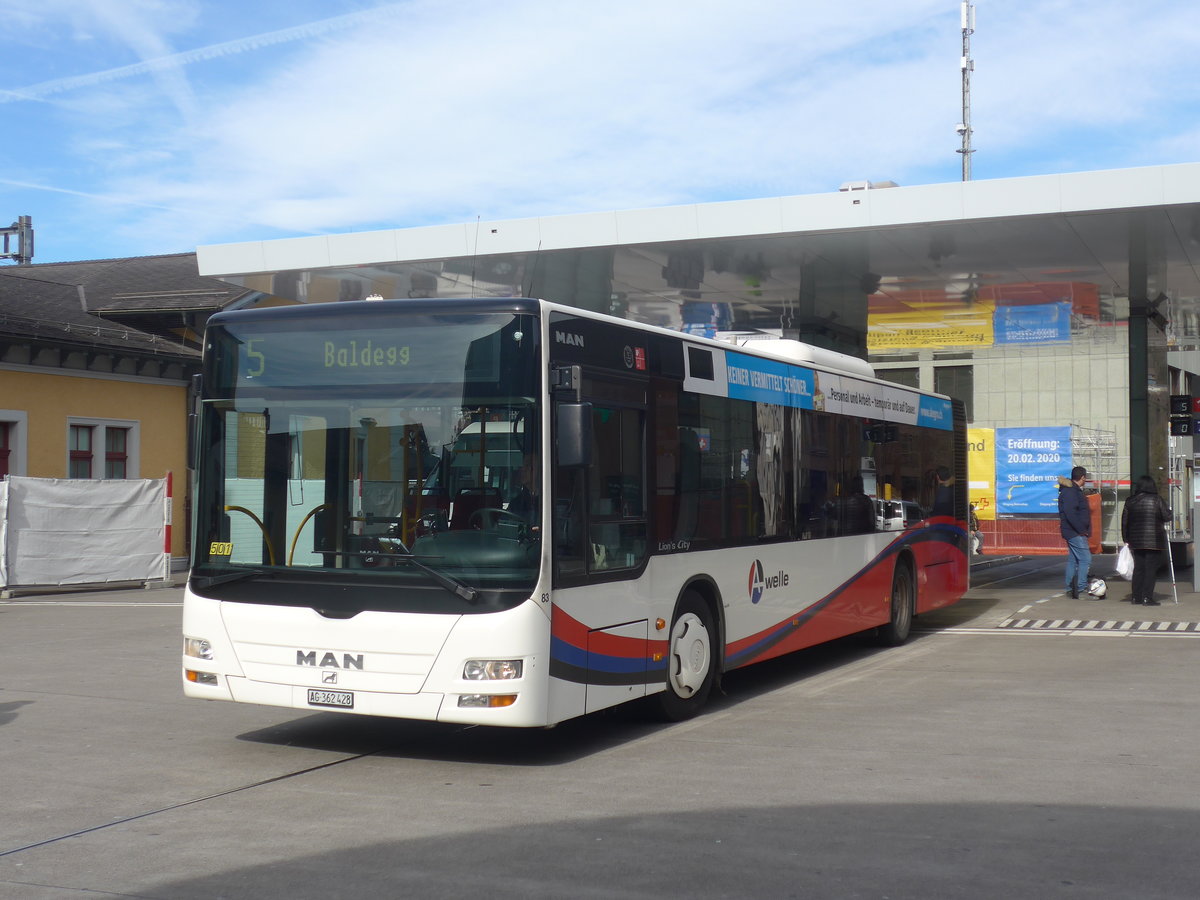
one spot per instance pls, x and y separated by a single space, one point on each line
362 356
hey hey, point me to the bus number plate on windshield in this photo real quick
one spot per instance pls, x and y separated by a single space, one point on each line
337 699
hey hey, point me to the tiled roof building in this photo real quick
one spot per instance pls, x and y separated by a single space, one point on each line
95 365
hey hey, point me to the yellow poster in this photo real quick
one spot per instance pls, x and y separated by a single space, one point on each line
981 471
972 327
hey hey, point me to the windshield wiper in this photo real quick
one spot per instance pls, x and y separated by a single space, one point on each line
449 582
207 581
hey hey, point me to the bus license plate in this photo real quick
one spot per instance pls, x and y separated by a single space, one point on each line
338 699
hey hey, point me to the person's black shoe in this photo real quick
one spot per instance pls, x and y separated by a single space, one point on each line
1136 601
1151 602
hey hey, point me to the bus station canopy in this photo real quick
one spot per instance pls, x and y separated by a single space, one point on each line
801 264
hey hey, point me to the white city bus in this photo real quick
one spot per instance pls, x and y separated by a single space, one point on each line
512 512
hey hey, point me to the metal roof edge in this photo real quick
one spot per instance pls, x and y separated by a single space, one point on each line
1026 195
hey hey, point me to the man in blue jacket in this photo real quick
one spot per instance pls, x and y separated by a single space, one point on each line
1075 523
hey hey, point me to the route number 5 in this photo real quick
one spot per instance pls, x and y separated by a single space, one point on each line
255 355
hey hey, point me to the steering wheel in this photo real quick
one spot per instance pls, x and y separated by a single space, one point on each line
489 517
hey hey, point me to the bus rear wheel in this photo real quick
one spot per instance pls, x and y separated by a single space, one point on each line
903 603
691 667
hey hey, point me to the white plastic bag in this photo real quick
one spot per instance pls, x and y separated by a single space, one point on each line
1125 562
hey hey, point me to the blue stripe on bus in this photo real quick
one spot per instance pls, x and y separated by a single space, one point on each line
580 658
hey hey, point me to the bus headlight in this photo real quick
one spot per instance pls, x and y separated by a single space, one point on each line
198 648
492 669
486 701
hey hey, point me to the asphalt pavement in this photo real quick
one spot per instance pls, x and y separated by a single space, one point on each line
1022 744
1179 602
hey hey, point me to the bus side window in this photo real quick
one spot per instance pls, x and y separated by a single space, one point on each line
689 484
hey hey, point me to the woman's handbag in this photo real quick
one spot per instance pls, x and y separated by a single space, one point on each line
1125 562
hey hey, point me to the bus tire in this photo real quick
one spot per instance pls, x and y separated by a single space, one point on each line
903 606
691 659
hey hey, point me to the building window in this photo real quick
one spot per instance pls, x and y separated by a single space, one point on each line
957 382
909 377
102 448
80 465
13 434
116 458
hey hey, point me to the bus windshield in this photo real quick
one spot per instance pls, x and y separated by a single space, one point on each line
351 463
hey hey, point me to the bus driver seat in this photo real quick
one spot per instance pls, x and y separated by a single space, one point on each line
469 501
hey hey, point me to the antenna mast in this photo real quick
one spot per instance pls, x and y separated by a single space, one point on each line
968 66
21 231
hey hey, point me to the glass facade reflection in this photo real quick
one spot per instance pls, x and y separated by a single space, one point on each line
1069 328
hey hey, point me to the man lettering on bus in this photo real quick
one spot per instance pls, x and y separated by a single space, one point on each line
1075 524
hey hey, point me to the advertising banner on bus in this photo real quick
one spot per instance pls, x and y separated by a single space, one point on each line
775 381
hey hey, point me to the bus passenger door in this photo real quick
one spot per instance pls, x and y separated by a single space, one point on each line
599 508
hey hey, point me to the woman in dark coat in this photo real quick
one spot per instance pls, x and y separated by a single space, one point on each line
1142 528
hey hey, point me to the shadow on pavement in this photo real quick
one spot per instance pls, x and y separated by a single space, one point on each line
897 850
566 742
8 711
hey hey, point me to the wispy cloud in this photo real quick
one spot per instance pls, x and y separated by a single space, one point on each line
201 54
515 108
112 199
423 112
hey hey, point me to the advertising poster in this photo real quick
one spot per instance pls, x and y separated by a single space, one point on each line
706 319
1044 323
970 327
981 471
1029 462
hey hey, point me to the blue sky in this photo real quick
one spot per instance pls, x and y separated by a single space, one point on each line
135 127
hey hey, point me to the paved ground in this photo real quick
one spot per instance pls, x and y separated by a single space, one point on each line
1053 607
986 758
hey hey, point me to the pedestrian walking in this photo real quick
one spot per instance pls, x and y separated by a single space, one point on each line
1143 521
1075 525
976 534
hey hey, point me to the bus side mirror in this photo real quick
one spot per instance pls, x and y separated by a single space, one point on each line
574 437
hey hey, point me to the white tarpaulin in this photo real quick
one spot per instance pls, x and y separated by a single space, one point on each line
3 531
76 531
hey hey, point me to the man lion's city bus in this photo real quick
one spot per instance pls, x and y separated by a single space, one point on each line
513 512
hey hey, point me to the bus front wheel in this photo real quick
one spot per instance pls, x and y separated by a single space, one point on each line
904 595
691 666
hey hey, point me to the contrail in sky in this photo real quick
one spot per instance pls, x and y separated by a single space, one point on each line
110 198
228 48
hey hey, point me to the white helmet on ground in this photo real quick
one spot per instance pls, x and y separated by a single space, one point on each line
1097 587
